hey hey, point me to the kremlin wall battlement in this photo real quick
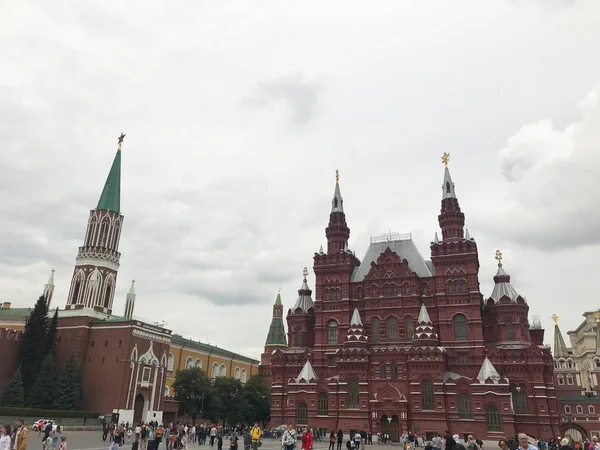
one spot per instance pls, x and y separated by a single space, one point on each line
10 342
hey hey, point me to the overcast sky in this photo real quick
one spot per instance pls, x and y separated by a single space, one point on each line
237 114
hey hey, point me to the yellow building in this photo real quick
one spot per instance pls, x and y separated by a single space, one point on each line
216 362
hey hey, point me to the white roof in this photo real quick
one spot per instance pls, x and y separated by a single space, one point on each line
488 371
304 301
307 373
503 288
423 315
356 321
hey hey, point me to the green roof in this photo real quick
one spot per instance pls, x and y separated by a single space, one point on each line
278 300
180 340
110 200
15 312
276 336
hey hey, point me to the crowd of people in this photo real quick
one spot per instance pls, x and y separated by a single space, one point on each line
16 436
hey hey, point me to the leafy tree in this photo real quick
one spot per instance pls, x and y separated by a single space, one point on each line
68 393
193 390
33 345
44 389
51 335
233 406
257 396
13 393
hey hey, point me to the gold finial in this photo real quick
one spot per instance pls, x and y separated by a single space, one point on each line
337 176
305 272
445 159
555 319
597 316
498 257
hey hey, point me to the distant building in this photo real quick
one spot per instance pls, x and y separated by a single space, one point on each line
129 363
577 377
395 342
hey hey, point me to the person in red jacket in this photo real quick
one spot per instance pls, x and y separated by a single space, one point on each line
307 440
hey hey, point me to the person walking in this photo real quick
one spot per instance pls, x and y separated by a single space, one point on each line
288 440
307 440
256 433
340 439
21 435
332 440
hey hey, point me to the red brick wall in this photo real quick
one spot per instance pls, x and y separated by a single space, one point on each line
10 342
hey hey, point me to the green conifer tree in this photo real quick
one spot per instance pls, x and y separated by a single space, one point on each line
51 335
68 393
33 345
13 392
44 390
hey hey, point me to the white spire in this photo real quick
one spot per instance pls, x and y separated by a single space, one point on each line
436 238
448 186
467 235
321 250
337 203
488 371
130 301
49 289
423 315
356 321
307 373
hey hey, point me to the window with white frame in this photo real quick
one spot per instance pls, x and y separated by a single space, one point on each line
237 373
591 410
243 378
145 376
215 370
567 409
569 379
189 363
170 361
198 363
560 379
223 371
167 391
579 409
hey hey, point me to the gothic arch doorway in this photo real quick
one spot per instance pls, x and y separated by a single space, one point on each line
138 408
574 431
390 426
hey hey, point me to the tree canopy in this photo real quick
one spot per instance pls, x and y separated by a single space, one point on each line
44 389
13 392
69 390
33 345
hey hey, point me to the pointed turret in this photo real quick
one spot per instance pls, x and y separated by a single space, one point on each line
560 349
307 374
304 301
488 371
130 301
337 232
451 218
502 286
110 200
276 336
49 289
425 334
356 333
467 235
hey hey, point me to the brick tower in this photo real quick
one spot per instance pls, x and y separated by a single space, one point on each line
97 263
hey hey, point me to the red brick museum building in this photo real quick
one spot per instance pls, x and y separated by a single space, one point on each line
395 342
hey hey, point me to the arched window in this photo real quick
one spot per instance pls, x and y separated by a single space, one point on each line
375 332
107 294
462 286
198 363
464 406
359 293
560 379
519 399
450 287
103 232
392 330
427 395
374 291
460 328
567 409
215 370
510 333
424 288
591 410
76 292
243 379
382 371
189 363
579 409
323 409
492 418
570 379
408 328
406 288
353 394
170 362
390 290
394 371
298 338
223 371
332 332
302 414
237 373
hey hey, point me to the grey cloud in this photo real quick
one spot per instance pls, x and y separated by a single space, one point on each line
301 95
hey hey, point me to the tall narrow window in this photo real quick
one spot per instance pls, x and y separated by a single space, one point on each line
323 409
464 407
382 371
424 288
215 370
427 395
450 287
460 328
408 329
394 371
107 295
519 400
170 360
492 418
375 332
189 363
76 292
510 333
302 414
392 330
406 288
359 293
374 291
332 332
298 338
103 232
353 394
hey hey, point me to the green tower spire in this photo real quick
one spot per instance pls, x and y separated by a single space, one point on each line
110 200
276 336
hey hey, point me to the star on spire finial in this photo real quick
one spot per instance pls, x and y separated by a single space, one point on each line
337 176
120 139
498 257
445 159
555 319
305 273
597 316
